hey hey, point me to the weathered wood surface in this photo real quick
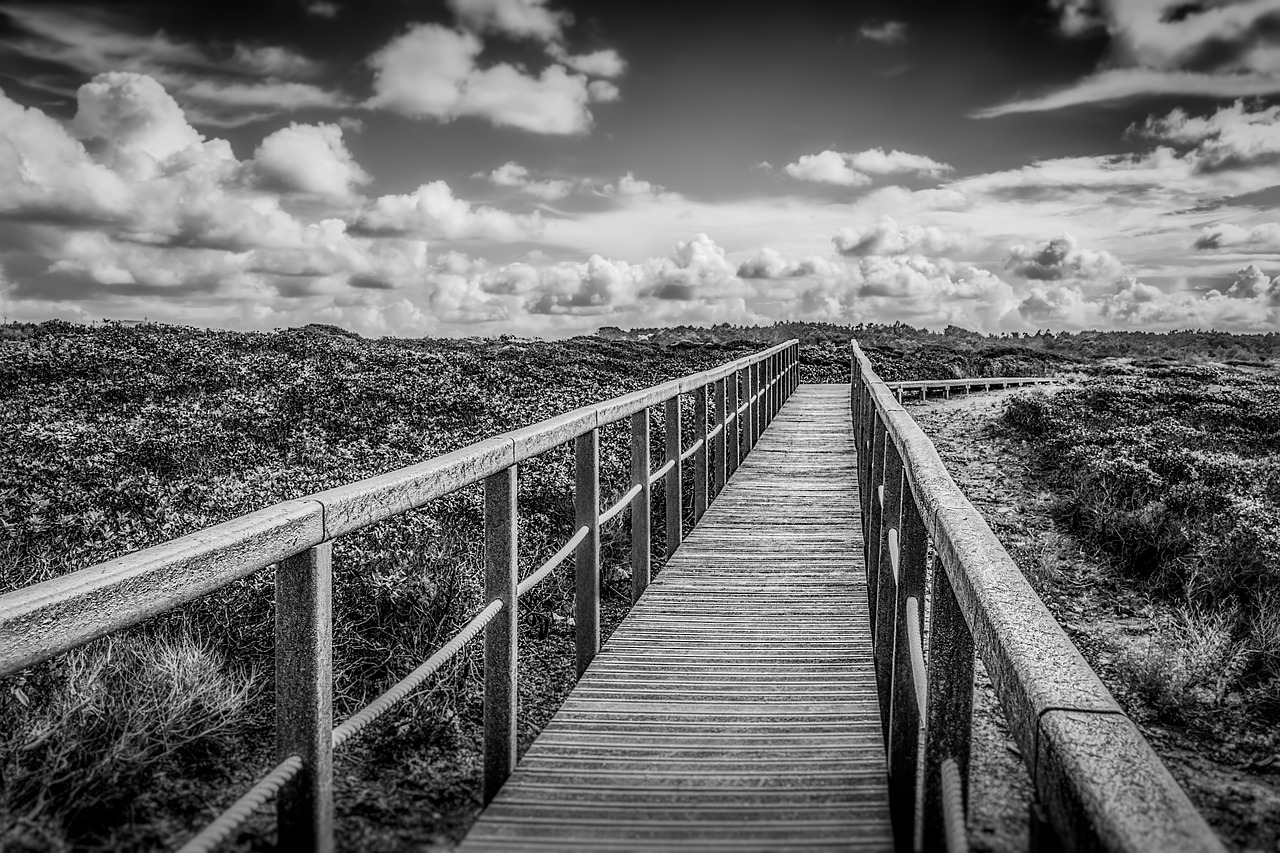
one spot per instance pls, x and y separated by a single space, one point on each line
735 707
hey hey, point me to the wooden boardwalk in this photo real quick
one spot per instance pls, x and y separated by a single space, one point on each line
735 707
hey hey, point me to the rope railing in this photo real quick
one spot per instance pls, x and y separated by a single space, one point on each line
50 618
1098 784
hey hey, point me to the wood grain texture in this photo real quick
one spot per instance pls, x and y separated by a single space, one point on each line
735 707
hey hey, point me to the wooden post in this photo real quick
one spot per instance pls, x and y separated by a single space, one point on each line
586 505
757 410
719 472
906 719
949 712
744 433
501 571
672 484
886 591
731 434
700 455
874 518
641 504
304 697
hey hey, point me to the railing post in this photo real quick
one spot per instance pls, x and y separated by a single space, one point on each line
304 697
949 712
886 591
731 438
718 461
641 505
906 716
501 569
875 517
700 455
586 504
672 484
757 409
744 432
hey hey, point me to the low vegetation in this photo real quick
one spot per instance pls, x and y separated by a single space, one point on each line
114 439
1173 472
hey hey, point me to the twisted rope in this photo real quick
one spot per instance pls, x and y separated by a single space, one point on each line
406 685
255 798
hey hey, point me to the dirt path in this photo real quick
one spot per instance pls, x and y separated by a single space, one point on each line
1239 796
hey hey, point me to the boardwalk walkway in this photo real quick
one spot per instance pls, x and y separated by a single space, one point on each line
735 707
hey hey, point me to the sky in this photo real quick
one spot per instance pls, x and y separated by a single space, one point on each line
545 167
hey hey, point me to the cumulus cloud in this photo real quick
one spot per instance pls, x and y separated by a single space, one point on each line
253 82
1264 236
512 174
853 170
1232 137
432 211
885 32
309 158
431 71
772 264
518 18
1061 258
887 237
600 63
1219 49
1250 304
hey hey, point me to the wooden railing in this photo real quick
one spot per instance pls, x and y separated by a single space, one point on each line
1098 784
50 618
946 386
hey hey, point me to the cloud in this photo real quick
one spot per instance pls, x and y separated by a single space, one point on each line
827 167
323 9
512 174
1250 304
251 83
309 158
853 170
887 32
518 18
430 71
1216 49
887 237
432 211
601 63
1231 138
772 264
1061 258
1264 236
125 114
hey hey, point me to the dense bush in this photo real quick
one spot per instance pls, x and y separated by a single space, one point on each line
116 438
1175 472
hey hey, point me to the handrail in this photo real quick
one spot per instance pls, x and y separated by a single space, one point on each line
924 386
55 616
1098 784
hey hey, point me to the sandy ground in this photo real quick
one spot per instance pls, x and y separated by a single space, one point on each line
1238 794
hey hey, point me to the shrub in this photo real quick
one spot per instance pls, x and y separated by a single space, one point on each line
80 737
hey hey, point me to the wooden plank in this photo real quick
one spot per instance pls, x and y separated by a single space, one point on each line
735 708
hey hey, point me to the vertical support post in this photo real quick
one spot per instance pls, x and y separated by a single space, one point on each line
641 504
949 711
744 403
872 539
757 409
586 506
732 433
304 697
700 456
501 569
719 472
672 484
906 716
886 591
